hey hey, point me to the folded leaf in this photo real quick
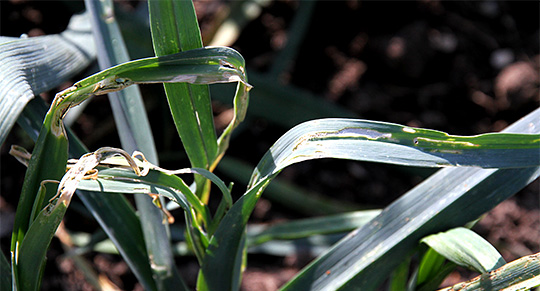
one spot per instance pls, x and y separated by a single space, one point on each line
465 248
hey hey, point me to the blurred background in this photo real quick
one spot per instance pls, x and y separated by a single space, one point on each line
461 67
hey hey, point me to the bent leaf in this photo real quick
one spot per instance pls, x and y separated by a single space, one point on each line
32 250
207 65
465 248
135 135
449 198
368 141
174 29
200 66
113 212
33 65
384 142
47 163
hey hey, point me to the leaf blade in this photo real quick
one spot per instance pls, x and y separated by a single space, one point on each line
174 29
465 248
107 210
33 65
329 266
521 274
374 141
421 211
135 135
48 162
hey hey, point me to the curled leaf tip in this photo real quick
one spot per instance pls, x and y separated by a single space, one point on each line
21 154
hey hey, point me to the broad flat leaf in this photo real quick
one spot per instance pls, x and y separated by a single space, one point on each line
34 65
465 248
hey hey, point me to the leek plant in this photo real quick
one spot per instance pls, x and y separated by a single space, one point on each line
427 221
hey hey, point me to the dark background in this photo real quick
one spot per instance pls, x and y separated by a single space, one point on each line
461 67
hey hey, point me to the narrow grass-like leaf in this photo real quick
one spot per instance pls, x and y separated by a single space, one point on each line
111 179
35 244
216 180
287 194
198 66
220 269
396 144
201 66
240 105
313 245
45 164
375 141
449 198
51 146
165 184
366 257
113 212
128 107
398 280
175 29
135 134
435 280
119 220
431 263
129 186
33 65
31 252
312 226
466 248
521 274
158 181
199 240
